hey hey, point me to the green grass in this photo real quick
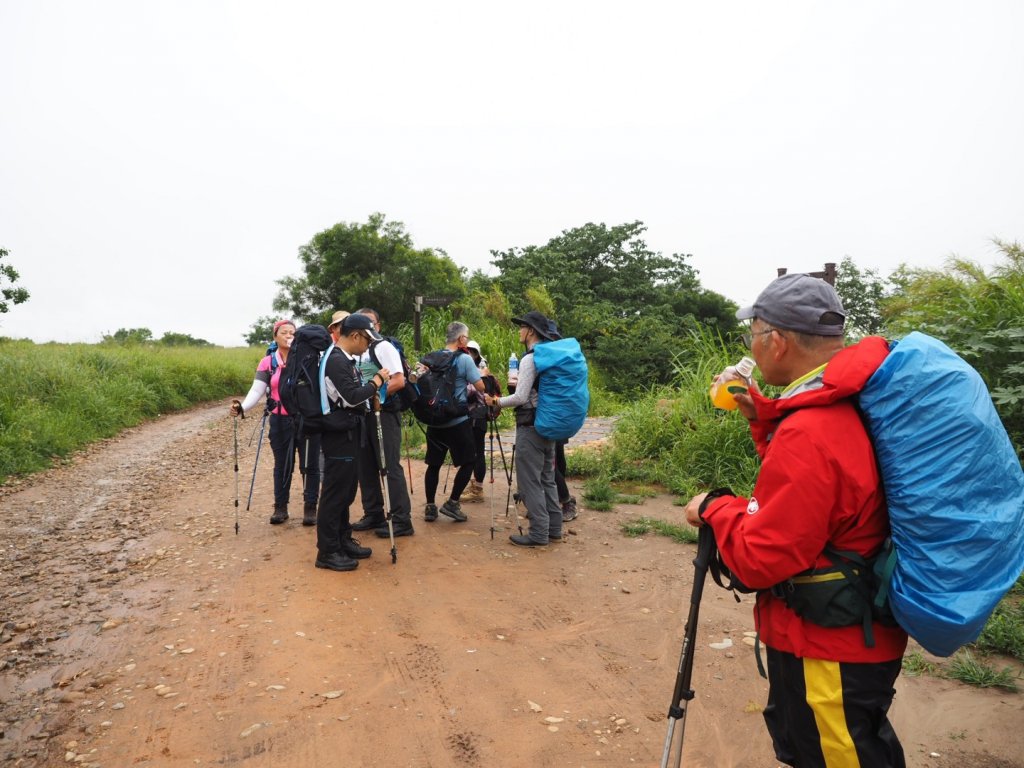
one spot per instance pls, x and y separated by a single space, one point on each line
967 669
915 664
57 398
682 533
1004 631
673 437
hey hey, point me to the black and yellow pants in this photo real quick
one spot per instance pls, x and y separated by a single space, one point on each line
831 714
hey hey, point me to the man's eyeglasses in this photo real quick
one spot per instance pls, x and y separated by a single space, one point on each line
748 338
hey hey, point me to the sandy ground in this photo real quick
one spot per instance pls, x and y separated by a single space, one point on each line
139 630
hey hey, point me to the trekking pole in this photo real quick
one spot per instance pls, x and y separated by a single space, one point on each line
501 449
490 423
508 498
256 463
236 477
513 497
682 693
384 477
447 474
304 466
408 458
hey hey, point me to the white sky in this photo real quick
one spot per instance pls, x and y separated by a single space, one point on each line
162 162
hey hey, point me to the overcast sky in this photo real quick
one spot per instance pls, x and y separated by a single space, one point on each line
161 163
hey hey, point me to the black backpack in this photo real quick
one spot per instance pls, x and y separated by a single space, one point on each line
301 381
436 401
405 397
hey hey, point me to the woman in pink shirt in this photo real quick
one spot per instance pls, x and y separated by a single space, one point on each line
283 441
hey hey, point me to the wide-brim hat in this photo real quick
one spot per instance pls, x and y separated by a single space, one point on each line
536 320
337 317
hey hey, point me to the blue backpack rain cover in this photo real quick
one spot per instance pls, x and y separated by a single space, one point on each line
955 491
563 397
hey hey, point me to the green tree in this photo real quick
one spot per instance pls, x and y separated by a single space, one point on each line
979 314
261 332
353 265
862 293
170 339
630 307
11 294
129 336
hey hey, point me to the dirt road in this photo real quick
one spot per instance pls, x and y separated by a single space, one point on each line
139 630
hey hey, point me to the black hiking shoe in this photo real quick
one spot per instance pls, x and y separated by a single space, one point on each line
309 515
402 528
525 541
453 510
367 523
351 548
335 561
280 514
430 513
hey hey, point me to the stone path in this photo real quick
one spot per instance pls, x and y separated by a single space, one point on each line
595 429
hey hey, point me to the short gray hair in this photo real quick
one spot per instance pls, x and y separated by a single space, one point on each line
455 330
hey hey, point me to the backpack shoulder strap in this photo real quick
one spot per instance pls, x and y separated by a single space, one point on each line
325 406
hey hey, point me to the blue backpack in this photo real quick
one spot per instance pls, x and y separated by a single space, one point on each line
955 492
563 397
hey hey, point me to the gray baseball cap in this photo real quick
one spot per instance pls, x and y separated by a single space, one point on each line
798 302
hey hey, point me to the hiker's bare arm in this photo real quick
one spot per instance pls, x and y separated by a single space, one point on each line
395 382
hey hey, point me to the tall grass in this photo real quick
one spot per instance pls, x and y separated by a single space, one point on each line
57 398
673 436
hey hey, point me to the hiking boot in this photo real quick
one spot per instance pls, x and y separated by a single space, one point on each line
402 528
280 514
453 509
474 494
309 515
525 541
569 510
351 548
335 561
367 523
430 513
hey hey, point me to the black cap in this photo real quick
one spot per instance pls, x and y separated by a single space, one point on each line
360 323
538 322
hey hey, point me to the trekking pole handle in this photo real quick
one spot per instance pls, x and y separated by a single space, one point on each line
375 401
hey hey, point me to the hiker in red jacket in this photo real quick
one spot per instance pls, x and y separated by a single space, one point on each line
830 687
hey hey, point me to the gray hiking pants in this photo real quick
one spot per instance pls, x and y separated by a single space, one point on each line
535 476
369 469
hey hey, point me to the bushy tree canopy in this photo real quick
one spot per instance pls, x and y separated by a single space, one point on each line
979 314
261 332
12 294
171 339
628 305
129 336
353 265
862 293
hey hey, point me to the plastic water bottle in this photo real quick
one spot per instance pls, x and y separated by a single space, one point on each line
735 377
513 370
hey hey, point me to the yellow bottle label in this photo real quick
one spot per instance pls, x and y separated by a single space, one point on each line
723 394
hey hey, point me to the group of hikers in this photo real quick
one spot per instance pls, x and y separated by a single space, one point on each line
806 539
365 375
